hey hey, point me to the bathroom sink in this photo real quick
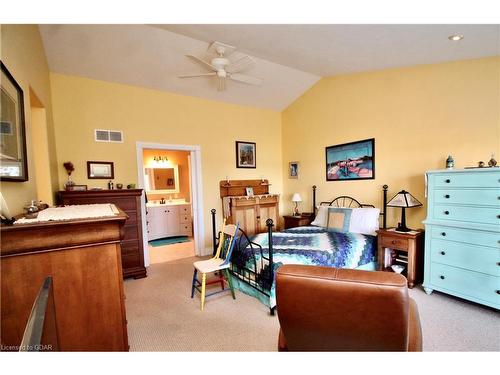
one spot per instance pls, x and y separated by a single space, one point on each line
167 203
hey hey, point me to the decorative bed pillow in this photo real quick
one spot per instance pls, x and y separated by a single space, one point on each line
322 216
364 220
339 219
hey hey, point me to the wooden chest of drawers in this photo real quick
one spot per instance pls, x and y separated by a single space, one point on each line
128 200
462 248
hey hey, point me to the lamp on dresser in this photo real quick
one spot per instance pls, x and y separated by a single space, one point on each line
404 200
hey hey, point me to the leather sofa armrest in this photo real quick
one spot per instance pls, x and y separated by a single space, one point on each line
282 342
414 328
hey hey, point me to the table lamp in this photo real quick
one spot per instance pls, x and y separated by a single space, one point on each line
404 200
296 198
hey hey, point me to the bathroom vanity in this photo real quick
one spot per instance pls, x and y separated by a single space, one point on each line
168 219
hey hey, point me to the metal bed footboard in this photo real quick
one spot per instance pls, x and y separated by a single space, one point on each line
261 274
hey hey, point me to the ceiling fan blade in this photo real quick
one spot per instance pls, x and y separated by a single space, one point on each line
246 79
202 62
197 75
244 63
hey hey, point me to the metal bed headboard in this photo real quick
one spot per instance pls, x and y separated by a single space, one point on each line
350 202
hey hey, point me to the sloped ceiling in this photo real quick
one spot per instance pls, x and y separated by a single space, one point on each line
289 58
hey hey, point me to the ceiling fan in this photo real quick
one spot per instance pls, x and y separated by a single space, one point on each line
222 67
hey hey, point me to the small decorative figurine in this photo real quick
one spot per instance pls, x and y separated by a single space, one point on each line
450 162
492 162
480 164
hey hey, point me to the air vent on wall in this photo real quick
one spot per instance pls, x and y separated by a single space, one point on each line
108 135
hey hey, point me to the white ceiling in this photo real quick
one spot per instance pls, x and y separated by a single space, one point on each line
289 58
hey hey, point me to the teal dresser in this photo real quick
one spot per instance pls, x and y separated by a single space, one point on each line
462 240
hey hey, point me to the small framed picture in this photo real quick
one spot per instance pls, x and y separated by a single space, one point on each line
293 169
76 187
245 155
100 170
249 191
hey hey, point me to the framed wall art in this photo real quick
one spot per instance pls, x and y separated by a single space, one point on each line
14 163
293 169
100 170
246 155
351 161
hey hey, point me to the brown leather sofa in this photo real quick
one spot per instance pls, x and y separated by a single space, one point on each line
331 309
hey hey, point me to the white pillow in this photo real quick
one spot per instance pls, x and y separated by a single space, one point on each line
321 219
364 220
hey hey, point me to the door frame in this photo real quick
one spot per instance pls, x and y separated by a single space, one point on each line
196 192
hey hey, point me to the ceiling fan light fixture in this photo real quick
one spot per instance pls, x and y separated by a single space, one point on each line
456 37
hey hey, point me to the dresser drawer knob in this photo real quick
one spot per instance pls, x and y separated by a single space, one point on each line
447 196
443 234
441 277
447 180
393 242
447 212
442 253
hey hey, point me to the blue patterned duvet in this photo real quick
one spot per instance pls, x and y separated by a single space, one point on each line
310 246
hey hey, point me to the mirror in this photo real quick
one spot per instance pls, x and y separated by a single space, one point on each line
162 180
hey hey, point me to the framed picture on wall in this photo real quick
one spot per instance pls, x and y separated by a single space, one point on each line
14 163
293 169
246 155
100 170
351 161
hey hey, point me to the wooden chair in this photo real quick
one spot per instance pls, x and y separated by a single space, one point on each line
219 263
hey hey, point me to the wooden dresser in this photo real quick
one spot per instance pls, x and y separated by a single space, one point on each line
250 211
128 200
83 258
462 244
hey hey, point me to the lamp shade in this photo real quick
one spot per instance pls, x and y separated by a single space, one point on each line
404 199
296 198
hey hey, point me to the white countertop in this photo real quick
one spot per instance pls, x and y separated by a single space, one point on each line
174 202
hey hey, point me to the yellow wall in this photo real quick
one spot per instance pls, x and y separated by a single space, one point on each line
80 105
179 158
23 53
417 115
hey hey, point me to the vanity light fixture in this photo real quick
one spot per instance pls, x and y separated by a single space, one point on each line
160 159
456 37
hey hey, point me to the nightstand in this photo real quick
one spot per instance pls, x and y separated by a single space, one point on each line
407 244
297 221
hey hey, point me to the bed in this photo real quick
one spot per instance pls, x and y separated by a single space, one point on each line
255 259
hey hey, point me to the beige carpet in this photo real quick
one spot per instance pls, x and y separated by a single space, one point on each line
162 317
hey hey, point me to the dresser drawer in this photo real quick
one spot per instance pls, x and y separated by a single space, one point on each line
466 235
242 202
185 210
186 229
185 218
476 258
483 179
468 214
268 200
394 243
483 197
469 283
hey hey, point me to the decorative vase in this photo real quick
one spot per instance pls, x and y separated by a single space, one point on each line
492 162
69 184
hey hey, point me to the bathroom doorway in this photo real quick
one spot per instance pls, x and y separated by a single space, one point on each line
172 215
